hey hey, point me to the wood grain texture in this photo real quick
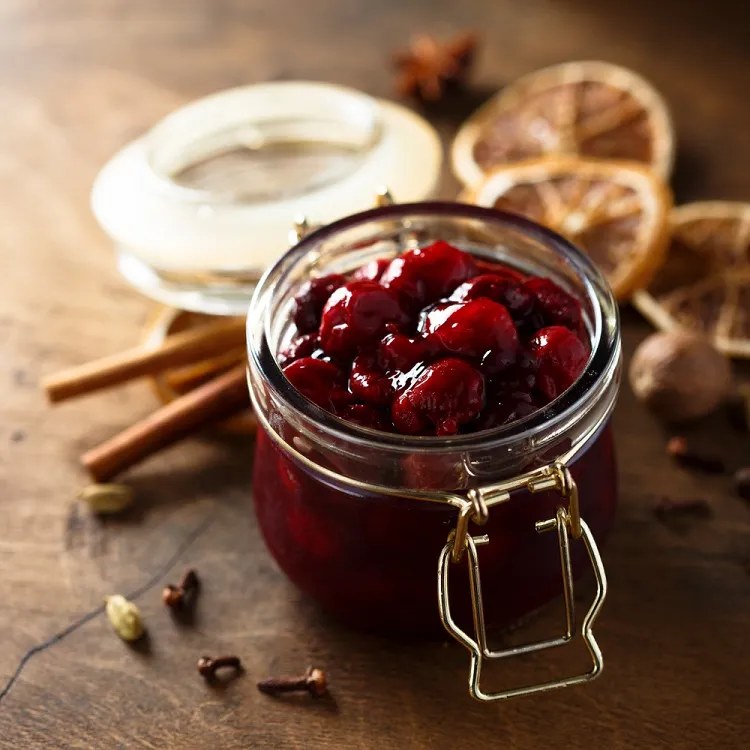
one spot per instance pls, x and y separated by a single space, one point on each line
79 79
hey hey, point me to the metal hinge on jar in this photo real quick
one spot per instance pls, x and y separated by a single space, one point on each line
383 197
302 226
567 522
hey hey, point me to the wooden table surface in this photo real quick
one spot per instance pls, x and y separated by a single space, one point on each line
78 80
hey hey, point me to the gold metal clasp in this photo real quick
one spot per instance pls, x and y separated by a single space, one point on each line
460 542
383 196
301 226
300 229
553 477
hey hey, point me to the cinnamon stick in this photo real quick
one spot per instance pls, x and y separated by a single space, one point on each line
217 399
187 377
181 348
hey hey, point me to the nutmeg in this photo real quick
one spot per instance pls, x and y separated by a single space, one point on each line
679 375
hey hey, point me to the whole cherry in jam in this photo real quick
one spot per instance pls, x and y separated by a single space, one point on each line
518 300
478 329
426 274
400 352
310 299
561 358
448 393
357 314
555 305
368 382
322 382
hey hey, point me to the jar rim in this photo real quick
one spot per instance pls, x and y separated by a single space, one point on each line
602 365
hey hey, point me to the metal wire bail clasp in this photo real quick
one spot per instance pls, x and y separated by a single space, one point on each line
567 520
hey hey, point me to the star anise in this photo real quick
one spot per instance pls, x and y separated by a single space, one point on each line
430 68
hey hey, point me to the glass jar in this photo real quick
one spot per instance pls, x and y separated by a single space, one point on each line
358 518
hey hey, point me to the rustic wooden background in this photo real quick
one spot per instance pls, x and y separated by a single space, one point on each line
77 80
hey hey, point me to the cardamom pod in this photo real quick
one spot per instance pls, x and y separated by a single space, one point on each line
107 498
125 617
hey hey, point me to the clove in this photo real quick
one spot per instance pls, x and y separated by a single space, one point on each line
177 596
314 681
208 666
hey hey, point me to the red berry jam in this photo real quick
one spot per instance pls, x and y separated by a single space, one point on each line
434 342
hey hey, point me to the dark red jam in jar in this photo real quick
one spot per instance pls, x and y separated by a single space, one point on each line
425 349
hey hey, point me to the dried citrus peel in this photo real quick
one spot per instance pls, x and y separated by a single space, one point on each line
586 108
704 284
615 211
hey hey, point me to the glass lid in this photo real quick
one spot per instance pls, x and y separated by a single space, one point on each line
201 205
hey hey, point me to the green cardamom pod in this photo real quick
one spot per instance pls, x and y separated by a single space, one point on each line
107 498
125 617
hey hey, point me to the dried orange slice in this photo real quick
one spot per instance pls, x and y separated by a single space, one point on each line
587 108
704 285
615 211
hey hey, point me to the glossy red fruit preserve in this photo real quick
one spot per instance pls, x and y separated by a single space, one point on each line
431 344
372 560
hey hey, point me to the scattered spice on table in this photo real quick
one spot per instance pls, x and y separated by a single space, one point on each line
679 376
107 499
208 667
314 681
679 449
223 396
125 617
183 593
430 68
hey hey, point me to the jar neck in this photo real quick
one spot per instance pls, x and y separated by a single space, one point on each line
557 432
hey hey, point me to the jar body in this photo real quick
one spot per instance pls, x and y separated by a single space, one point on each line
371 560
357 518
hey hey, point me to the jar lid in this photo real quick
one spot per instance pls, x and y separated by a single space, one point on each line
203 203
